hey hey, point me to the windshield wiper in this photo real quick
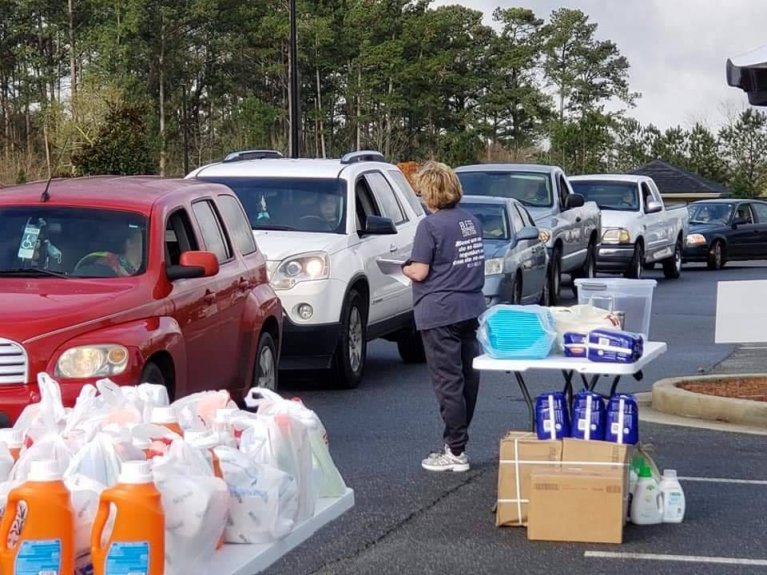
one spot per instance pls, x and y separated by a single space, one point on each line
21 272
275 227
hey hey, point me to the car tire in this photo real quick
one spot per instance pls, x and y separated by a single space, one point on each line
589 269
152 373
672 267
265 370
635 268
545 299
555 277
649 266
716 257
349 359
410 346
516 290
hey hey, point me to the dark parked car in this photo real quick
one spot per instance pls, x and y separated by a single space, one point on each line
725 230
516 260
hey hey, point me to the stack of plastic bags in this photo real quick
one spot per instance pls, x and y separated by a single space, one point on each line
225 475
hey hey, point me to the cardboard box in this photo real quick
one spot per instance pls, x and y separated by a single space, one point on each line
577 504
521 452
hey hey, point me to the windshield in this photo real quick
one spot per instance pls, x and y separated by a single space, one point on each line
495 225
293 204
72 242
532 189
620 196
709 213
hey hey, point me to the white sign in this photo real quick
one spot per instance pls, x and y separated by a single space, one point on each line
741 312
28 243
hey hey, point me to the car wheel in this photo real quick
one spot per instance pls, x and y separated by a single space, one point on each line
635 267
349 360
649 266
555 277
716 260
152 373
516 292
545 299
672 267
265 373
589 269
410 346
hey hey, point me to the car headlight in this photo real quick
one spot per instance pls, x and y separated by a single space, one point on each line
696 240
304 267
544 235
493 266
92 361
616 236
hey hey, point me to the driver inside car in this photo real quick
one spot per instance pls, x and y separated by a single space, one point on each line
125 263
329 210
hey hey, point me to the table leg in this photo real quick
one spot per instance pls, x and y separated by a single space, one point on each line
528 399
614 386
568 389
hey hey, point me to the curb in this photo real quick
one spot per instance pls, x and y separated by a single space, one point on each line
668 398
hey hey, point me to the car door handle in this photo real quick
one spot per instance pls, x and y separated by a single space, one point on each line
209 297
243 284
392 249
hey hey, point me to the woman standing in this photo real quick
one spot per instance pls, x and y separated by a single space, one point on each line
447 267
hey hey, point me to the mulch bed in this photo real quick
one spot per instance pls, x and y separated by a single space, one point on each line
754 389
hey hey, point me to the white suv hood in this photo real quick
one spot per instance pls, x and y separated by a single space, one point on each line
277 245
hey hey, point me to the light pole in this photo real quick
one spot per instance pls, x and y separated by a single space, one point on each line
294 118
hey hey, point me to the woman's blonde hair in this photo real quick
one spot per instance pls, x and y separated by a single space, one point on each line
438 185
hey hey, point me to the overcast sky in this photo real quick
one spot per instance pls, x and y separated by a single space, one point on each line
677 50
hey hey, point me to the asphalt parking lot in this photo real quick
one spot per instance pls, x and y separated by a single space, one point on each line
407 520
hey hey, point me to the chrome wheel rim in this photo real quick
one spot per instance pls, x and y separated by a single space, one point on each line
266 369
718 255
355 339
638 266
678 258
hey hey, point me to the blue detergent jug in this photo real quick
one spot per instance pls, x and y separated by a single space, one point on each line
552 421
622 419
588 416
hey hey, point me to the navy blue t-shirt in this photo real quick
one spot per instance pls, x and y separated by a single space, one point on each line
450 242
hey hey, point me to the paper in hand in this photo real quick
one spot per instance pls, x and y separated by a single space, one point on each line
393 268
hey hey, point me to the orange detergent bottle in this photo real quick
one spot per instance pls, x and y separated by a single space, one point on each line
137 541
166 417
38 527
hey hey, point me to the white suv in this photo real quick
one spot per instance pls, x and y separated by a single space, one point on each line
321 225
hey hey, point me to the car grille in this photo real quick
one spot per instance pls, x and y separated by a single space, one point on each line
13 362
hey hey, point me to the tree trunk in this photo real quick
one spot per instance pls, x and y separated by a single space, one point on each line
387 119
359 108
161 80
72 61
320 117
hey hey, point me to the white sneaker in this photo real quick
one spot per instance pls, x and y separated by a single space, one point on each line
446 461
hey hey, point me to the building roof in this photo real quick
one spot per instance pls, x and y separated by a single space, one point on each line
672 180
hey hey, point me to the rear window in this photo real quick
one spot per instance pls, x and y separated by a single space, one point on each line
75 242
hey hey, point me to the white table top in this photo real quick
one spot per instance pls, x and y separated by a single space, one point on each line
652 349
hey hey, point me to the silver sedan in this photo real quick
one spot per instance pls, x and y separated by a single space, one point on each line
516 260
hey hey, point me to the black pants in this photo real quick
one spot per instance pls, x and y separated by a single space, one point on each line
450 351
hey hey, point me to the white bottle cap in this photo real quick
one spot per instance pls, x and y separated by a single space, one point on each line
164 414
135 472
15 439
44 470
670 473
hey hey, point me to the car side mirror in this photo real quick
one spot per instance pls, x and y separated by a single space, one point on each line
527 233
574 201
378 226
738 222
653 207
193 264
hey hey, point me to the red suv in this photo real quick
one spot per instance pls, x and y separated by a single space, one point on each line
136 279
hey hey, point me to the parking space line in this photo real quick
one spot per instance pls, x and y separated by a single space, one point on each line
680 558
725 480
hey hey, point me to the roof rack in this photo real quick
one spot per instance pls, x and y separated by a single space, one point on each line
253 155
363 156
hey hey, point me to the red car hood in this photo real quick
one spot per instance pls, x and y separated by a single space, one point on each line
32 308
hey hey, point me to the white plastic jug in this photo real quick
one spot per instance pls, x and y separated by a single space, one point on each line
673 497
647 504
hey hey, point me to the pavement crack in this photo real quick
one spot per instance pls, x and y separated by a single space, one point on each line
471 477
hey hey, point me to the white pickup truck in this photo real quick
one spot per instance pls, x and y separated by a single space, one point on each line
638 230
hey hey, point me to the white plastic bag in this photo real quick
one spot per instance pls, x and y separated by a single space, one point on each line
196 504
263 500
84 494
329 481
46 416
50 446
97 461
581 319
197 411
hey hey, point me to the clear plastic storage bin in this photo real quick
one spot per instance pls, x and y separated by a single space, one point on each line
631 297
